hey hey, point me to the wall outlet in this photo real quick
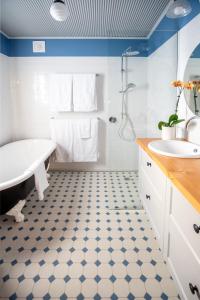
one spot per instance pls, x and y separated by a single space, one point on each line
39 46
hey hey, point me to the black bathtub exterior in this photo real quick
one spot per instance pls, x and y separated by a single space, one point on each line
10 197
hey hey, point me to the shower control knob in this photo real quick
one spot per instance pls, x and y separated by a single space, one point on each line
196 228
193 289
112 120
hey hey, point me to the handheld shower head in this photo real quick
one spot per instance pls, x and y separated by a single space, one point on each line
128 87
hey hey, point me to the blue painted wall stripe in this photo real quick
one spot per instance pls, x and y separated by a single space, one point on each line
78 47
4 45
100 47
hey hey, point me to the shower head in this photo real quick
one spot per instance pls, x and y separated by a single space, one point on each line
128 52
132 53
128 87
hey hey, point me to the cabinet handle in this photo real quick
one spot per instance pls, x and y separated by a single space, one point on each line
148 197
193 289
196 228
148 164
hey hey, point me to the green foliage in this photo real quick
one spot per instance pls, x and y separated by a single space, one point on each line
173 120
161 124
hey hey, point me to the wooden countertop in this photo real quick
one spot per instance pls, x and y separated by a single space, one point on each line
183 172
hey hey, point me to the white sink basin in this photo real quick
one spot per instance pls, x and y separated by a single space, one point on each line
175 148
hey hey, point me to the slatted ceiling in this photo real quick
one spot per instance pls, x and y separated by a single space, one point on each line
88 18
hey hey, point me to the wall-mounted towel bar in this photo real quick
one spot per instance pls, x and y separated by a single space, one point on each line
53 118
97 75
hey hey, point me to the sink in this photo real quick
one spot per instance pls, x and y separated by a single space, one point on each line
175 148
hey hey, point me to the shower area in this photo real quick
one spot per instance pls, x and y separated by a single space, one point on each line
127 120
123 186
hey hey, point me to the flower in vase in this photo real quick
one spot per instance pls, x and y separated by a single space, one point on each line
180 85
177 83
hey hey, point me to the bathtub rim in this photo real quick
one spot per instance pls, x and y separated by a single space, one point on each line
30 171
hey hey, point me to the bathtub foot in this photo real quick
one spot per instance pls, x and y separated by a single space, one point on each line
16 211
47 169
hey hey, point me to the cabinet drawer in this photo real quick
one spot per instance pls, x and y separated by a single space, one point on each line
152 204
154 174
187 218
184 264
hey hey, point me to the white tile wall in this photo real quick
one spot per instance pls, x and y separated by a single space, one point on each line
5 101
30 103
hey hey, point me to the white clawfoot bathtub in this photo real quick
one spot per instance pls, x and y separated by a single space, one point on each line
19 160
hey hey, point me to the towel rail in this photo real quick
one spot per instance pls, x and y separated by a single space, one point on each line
53 118
97 75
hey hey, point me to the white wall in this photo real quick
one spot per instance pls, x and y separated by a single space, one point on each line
5 102
162 70
30 103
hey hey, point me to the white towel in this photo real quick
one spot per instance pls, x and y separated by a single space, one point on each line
84 128
86 150
60 92
62 135
41 182
84 92
71 146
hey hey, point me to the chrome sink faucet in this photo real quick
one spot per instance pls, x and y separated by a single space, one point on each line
188 122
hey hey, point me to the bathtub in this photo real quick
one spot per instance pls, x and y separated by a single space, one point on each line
18 161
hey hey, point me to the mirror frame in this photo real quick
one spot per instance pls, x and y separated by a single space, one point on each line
187 93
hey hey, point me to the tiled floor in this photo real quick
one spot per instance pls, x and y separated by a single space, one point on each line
123 190
72 246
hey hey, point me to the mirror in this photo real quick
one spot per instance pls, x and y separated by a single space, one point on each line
192 74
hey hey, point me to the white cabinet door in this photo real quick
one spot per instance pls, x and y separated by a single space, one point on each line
154 174
187 218
152 205
184 264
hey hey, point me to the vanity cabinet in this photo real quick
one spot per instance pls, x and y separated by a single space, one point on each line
176 224
152 184
183 253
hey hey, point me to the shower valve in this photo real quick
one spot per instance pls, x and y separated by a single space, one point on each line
112 120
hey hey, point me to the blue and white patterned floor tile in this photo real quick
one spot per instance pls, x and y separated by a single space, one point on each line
73 246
